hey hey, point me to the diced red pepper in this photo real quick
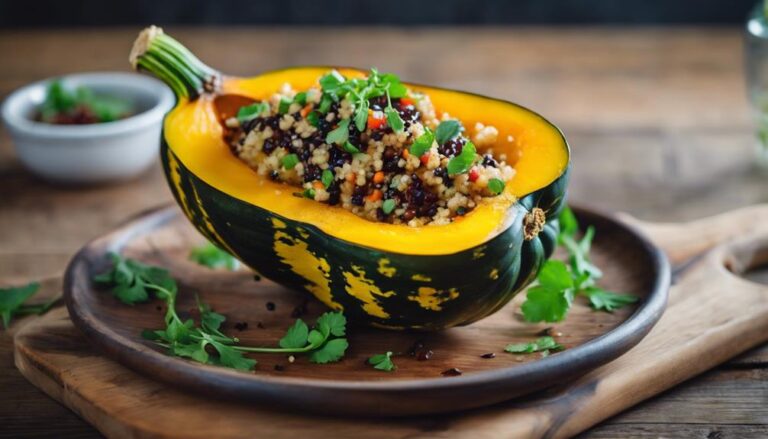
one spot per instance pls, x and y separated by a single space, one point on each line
406 102
473 175
424 159
376 119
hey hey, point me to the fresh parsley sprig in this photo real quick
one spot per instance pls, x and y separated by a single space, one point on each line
382 362
558 283
12 302
132 282
543 344
212 256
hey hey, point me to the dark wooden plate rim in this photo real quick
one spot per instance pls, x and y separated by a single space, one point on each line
536 375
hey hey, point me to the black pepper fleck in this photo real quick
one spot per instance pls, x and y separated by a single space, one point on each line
452 372
279 367
270 306
424 355
488 355
241 326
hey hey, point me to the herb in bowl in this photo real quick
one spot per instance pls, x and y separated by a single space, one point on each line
80 106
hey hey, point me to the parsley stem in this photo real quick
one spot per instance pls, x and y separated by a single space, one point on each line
306 348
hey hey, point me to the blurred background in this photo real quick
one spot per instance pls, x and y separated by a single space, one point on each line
14 13
652 95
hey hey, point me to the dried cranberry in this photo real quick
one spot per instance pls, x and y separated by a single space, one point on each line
452 147
274 175
489 161
269 146
311 173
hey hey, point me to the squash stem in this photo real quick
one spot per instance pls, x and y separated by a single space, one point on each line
171 62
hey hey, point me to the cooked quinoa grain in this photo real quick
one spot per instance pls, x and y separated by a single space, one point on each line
373 147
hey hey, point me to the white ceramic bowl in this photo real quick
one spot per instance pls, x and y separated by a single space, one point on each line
90 153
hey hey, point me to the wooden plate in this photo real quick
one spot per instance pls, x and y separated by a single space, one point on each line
163 237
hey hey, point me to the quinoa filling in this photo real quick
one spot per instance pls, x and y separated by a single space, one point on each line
373 147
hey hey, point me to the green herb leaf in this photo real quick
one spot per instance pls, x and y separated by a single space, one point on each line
569 226
423 143
12 299
340 134
331 352
350 148
290 161
543 344
554 274
382 362
230 357
327 178
361 115
331 81
495 186
604 300
252 111
285 105
393 119
296 337
388 206
447 130
325 104
313 118
462 163
544 304
335 321
309 193
212 256
395 88
300 98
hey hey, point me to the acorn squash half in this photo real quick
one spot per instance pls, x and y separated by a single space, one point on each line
390 276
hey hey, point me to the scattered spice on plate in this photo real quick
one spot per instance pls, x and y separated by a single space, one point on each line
256 277
424 355
291 358
452 372
270 306
279 367
299 310
241 326
259 325
488 355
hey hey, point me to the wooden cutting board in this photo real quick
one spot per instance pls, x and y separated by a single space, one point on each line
712 315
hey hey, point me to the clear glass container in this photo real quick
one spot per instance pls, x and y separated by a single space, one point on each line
756 67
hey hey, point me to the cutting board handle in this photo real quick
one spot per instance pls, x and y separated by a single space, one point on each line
683 241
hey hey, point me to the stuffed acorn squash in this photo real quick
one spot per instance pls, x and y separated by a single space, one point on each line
386 274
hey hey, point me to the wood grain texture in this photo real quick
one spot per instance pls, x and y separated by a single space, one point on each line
698 331
165 238
657 118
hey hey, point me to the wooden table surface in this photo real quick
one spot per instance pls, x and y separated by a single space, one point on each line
657 119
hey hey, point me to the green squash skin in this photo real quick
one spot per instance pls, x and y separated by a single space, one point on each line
486 277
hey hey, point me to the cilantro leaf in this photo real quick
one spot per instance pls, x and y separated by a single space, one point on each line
600 299
350 148
495 186
12 298
382 362
212 256
462 162
331 352
340 134
546 304
335 321
423 143
331 81
313 118
284 105
231 357
447 130
249 112
388 206
327 178
543 344
394 120
289 161
361 115
569 226
554 274
296 337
